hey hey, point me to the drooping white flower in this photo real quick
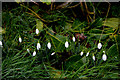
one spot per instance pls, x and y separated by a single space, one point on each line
53 53
37 31
104 57
34 53
38 46
0 43
20 39
28 50
73 39
49 45
87 54
99 46
93 58
66 44
81 53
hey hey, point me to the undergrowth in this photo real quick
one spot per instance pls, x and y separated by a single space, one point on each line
58 26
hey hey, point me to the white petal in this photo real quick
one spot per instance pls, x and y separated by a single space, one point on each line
93 58
73 39
53 53
99 45
87 54
0 43
20 40
34 53
37 31
28 50
104 57
38 46
66 44
49 45
81 53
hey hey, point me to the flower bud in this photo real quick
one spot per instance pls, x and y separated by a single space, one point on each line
37 31
66 44
81 53
34 53
104 57
73 39
38 46
103 51
87 54
53 53
20 39
93 58
0 43
49 45
28 50
99 45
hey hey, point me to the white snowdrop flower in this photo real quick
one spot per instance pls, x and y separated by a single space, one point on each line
99 45
81 53
66 44
49 45
104 57
28 50
93 58
53 53
38 46
34 53
37 31
20 39
73 39
87 54
103 51
0 43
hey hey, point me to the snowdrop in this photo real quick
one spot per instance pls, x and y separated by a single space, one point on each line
104 57
53 53
28 50
34 53
38 46
0 43
20 39
73 39
49 45
37 31
87 54
99 46
93 58
66 44
81 53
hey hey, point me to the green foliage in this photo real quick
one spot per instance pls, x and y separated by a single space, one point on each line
48 2
57 27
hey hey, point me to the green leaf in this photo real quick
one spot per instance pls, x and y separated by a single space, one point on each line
68 26
74 62
61 37
112 22
112 51
48 2
39 25
18 1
